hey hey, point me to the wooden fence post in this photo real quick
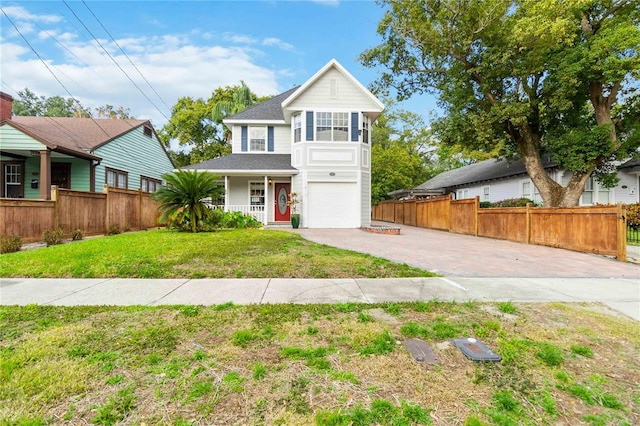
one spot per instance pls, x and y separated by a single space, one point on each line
105 189
140 209
528 224
477 208
621 214
56 206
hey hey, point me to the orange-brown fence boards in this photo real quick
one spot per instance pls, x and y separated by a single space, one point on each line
388 211
463 216
81 210
124 208
586 229
409 212
27 219
438 213
150 214
503 223
398 213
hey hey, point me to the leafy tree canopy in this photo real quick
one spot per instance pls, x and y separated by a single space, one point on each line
31 104
522 77
196 124
402 153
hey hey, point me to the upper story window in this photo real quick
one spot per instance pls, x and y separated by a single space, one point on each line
116 178
365 129
148 131
257 139
297 127
332 126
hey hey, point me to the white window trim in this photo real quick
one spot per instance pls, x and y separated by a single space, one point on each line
297 120
486 193
596 190
264 188
332 111
462 193
266 138
535 195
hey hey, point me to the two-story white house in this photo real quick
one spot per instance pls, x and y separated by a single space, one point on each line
313 140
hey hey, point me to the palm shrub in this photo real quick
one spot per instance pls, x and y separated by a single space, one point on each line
182 200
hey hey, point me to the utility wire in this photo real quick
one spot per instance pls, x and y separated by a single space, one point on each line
126 56
114 61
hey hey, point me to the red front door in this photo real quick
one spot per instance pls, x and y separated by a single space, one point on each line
282 211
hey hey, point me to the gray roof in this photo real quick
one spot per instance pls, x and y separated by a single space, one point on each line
479 172
271 109
248 162
633 165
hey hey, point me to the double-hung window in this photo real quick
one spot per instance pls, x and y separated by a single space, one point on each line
148 184
297 127
332 126
594 193
257 139
256 193
116 178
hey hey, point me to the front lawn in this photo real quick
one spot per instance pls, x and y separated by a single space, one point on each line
249 253
343 364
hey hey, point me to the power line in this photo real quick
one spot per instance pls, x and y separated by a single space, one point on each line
126 56
114 61
64 129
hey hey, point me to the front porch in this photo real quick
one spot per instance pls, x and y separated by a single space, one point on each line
263 197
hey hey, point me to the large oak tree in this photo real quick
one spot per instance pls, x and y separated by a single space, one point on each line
522 78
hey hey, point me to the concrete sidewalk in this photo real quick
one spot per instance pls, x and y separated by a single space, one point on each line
621 294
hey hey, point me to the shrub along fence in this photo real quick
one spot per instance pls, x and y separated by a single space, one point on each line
594 229
94 213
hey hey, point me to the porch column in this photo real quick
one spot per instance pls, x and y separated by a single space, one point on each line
45 174
267 200
226 193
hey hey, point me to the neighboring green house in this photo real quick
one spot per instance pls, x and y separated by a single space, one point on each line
76 153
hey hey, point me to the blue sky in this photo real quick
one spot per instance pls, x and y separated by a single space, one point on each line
183 48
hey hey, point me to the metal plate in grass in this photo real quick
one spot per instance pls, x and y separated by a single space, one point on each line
421 351
475 350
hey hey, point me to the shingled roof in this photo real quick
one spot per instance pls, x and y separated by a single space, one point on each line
483 171
248 162
77 135
271 109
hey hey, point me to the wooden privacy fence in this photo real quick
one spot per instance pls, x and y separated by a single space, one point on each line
94 213
593 229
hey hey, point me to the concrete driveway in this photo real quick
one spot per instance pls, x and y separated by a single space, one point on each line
455 255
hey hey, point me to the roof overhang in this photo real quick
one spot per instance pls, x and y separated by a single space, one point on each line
261 173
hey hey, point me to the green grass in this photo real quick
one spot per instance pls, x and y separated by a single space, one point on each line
224 254
314 364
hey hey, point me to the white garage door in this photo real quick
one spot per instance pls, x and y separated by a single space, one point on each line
333 205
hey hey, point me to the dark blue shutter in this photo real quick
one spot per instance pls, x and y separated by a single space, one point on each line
354 127
245 139
309 125
270 138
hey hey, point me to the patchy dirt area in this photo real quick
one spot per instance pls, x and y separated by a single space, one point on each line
561 364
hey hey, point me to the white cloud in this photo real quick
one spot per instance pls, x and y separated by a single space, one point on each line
20 13
173 64
272 41
239 38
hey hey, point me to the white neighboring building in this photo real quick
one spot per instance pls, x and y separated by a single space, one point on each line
313 140
496 180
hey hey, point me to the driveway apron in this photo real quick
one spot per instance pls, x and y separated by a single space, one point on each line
455 255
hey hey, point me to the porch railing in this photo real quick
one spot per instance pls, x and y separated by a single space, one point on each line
256 211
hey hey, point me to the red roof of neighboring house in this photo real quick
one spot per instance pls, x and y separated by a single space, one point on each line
77 135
